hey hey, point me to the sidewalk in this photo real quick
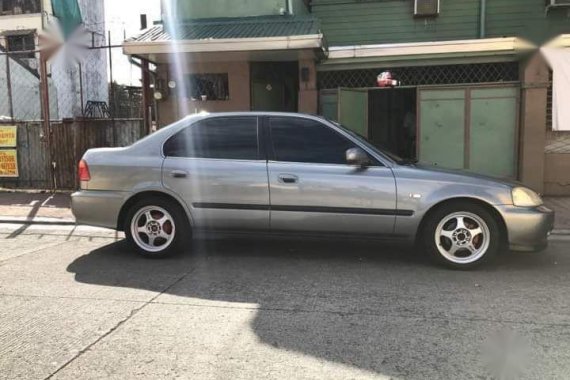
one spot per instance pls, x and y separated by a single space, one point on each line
47 208
35 207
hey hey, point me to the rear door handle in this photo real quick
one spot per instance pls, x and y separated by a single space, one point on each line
179 174
288 178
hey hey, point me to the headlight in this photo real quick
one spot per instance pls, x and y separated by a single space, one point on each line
524 197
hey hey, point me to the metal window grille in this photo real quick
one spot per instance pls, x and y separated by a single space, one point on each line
16 7
423 75
208 86
549 103
25 43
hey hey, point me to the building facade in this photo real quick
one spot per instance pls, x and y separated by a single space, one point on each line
233 55
473 91
22 24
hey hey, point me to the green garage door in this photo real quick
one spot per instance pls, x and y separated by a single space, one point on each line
328 104
353 110
493 134
442 133
470 128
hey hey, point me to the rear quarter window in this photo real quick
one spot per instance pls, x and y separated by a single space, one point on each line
218 138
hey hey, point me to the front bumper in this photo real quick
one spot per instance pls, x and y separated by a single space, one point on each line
527 228
97 208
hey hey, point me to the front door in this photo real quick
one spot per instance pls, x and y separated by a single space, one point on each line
216 167
314 190
274 86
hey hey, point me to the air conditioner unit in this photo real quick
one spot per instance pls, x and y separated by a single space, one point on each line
558 3
426 8
551 4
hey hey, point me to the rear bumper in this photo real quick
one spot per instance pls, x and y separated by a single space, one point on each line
527 228
97 208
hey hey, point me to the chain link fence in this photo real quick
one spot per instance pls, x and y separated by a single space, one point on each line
90 105
79 85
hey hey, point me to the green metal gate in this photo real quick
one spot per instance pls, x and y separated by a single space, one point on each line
474 128
353 109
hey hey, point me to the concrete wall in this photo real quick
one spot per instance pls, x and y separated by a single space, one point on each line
557 174
308 93
64 65
175 107
557 163
534 78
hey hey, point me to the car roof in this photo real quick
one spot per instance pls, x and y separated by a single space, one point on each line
206 115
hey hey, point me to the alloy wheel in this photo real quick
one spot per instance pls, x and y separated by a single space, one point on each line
153 228
462 237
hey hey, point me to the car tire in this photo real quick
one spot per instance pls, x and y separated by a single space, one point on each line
157 227
461 235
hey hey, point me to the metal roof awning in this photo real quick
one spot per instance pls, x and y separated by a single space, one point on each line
434 53
229 35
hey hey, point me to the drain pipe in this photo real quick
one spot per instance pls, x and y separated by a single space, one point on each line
482 18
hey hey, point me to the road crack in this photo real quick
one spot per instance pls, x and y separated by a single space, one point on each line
132 313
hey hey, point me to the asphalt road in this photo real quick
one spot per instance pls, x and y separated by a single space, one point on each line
75 303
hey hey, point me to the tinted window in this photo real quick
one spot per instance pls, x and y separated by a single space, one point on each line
302 140
227 138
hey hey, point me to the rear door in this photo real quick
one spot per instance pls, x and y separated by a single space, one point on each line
216 165
313 189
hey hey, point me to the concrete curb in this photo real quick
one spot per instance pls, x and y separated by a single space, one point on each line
37 220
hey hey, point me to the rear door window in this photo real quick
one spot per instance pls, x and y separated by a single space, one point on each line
231 138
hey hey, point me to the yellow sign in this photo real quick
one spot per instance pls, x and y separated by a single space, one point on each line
8 136
8 163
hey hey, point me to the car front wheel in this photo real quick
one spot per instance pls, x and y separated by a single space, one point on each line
156 227
462 235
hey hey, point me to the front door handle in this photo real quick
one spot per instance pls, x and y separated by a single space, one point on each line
179 174
288 178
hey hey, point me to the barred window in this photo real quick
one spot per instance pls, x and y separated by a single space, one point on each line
22 43
17 7
208 86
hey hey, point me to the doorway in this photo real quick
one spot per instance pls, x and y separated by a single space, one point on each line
274 86
386 116
392 120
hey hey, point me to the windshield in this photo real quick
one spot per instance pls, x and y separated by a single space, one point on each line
363 140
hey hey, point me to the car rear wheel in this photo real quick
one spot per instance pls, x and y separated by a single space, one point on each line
157 227
462 235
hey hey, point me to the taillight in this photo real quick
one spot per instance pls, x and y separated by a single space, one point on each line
83 171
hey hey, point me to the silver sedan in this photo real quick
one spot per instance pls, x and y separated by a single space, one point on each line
281 173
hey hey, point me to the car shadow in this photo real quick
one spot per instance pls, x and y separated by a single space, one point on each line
361 305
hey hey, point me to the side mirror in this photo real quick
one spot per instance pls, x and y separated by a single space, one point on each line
357 157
